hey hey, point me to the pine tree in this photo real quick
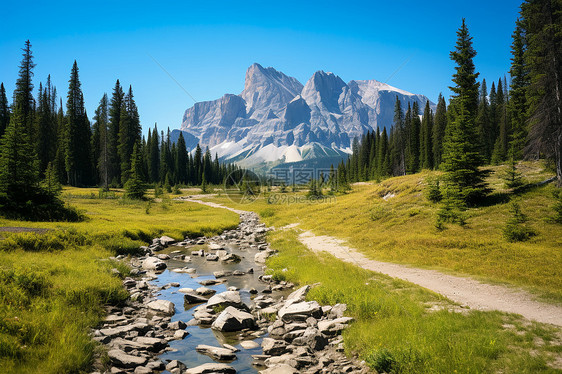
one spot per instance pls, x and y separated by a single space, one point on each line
23 94
426 144
51 182
4 110
101 119
181 161
439 127
135 187
518 101
44 129
399 140
77 150
113 133
483 124
500 147
542 23
154 157
129 133
463 181
18 163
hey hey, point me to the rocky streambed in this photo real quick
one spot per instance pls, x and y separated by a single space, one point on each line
205 305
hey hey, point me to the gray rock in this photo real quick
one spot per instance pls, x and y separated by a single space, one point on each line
273 347
193 298
216 353
177 325
153 344
300 311
166 241
162 306
226 299
211 257
222 274
205 291
212 368
124 360
153 263
249 344
280 369
232 319
312 338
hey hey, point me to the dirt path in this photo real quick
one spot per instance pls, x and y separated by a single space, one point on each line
465 291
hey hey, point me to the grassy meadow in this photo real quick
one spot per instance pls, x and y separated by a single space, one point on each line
53 285
394 221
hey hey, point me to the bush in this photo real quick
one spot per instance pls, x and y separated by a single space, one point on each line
382 360
267 213
515 229
40 206
433 190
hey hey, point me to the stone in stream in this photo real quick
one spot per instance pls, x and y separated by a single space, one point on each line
153 263
211 369
222 274
232 319
163 256
217 353
193 298
226 299
162 306
166 241
205 291
249 344
152 344
124 360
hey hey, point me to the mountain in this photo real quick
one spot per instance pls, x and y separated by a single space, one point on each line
277 120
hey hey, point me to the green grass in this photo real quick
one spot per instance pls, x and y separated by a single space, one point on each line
401 229
53 286
395 331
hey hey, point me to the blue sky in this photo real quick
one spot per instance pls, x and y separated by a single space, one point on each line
207 46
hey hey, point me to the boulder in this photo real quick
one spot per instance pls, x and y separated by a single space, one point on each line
152 344
153 263
312 338
212 257
162 306
193 298
124 360
217 353
232 319
166 241
249 344
273 347
300 311
280 369
205 291
212 368
226 299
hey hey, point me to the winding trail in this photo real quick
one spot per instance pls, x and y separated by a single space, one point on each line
465 291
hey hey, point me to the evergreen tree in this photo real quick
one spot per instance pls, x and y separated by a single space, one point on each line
101 156
439 128
51 182
4 110
135 187
384 166
164 150
45 124
77 151
399 140
483 124
500 147
542 24
154 156
23 94
18 163
426 144
197 162
463 181
113 133
129 133
181 161
518 101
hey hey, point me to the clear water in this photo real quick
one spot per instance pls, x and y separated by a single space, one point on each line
185 349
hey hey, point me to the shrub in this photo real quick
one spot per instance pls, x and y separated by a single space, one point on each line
515 229
382 360
433 191
267 213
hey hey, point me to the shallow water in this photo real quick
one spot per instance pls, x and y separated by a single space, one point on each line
185 349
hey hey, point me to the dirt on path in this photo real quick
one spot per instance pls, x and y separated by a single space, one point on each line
464 291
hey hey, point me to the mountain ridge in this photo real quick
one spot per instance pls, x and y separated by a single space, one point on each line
277 119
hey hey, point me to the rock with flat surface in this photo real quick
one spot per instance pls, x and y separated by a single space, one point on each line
166 241
193 298
216 353
226 299
212 368
232 319
273 347
280 369
162 306
153 263
124 360
300 311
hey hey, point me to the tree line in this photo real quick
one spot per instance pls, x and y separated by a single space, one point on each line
512 121
44 142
